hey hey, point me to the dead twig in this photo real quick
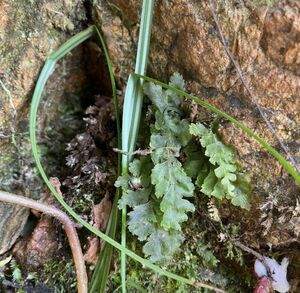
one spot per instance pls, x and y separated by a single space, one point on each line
247 87
249 250
259 256
137 152
82 281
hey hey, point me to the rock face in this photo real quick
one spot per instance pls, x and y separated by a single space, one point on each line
264 39
29 30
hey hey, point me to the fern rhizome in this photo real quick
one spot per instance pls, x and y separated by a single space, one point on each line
182 159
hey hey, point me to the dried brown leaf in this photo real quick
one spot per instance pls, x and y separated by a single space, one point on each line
56 184
101 214
91 255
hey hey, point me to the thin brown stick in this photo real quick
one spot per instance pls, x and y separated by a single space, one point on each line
82 281
200 285
247 87
249 250
259 256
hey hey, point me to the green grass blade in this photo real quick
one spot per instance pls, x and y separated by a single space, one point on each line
72 43
285 164
101 272
144 37
102 269
132 108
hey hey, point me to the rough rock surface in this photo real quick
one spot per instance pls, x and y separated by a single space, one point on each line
265 41
39 247
29 30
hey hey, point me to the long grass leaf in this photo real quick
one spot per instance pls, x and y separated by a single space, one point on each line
100 277
46 72
133 102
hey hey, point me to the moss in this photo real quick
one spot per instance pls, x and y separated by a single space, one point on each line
59 274
24 20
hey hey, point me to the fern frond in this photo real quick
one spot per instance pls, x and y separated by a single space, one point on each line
223 179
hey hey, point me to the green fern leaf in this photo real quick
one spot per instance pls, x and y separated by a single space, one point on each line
159 200
177 81
162 244
209 183
221 182
122 181
163 147
194 160
133 198
242 191
142 221
157 95
172 184
168 115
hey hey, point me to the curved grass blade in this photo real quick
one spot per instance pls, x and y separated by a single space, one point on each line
285 164
104 265
45 73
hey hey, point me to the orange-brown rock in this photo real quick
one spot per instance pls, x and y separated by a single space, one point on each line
39 247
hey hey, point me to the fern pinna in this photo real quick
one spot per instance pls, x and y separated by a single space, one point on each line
182 157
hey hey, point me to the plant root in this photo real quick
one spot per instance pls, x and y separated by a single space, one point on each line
69 227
